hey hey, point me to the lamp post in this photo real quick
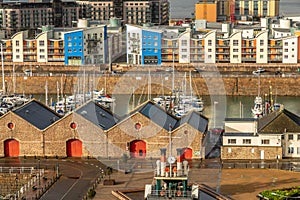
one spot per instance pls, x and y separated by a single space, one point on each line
215 105
39 174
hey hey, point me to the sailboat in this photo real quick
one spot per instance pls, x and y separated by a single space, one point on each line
257 110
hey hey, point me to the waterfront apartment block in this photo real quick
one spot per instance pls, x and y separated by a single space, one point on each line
20 16
274 41
231 10
82 45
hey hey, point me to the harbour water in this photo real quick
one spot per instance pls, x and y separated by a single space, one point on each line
216 107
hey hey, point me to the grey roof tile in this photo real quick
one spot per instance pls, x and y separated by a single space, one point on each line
37 114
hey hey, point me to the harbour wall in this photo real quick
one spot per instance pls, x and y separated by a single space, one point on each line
160 84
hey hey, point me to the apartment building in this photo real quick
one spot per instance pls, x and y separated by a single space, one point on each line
225 10
18 16
28 16
223 44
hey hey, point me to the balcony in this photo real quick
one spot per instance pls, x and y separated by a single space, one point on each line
223 52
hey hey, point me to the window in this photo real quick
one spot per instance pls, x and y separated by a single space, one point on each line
261 50
209 50
69 37
298 137
298 150
17 43
155 38
17 56
183 50
42 56
290 150
209 43
235 56
286 44
246 141
69 44
290 137
209 56
155 44
41 43
184 56
231 141
17 50
155 50
42 50
235 42
184 42
261 42
286 50
235 50
265 141
261 56
286 56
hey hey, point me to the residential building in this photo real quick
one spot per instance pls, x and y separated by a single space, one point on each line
206 10
219 43
231 10
18 16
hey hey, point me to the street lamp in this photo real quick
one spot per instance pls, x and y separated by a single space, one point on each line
215 104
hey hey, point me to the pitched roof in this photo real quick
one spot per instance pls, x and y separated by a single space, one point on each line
157 114
37 114
279 122
98 115
196 120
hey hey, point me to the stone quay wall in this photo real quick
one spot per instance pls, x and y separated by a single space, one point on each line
123 84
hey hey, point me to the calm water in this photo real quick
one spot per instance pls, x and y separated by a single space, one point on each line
182 10
225 106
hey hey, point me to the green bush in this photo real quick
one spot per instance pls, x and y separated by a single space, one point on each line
281 194
91 193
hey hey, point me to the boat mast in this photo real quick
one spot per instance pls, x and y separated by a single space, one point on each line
3 80
14 79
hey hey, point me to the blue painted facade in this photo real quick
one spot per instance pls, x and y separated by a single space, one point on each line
151 47
74 48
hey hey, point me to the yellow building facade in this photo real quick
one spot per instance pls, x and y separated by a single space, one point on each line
206 10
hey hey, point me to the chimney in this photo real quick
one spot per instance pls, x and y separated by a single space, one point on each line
163 159
179 162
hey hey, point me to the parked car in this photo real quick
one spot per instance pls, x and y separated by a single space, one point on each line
259 70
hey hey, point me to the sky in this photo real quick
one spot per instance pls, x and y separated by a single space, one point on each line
181 10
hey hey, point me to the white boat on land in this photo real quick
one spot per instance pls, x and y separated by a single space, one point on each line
257 110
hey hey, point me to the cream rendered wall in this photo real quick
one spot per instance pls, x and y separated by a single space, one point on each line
42 50
295 143
262 47
236 57
210 50
290 49
17 47
184 47
241 127
274 140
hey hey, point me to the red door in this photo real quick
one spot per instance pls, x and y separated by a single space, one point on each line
187 153
74 148
11 148
138 149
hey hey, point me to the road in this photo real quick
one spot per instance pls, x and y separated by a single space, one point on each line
77 175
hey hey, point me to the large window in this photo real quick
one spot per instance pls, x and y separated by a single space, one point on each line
290 137
235 43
